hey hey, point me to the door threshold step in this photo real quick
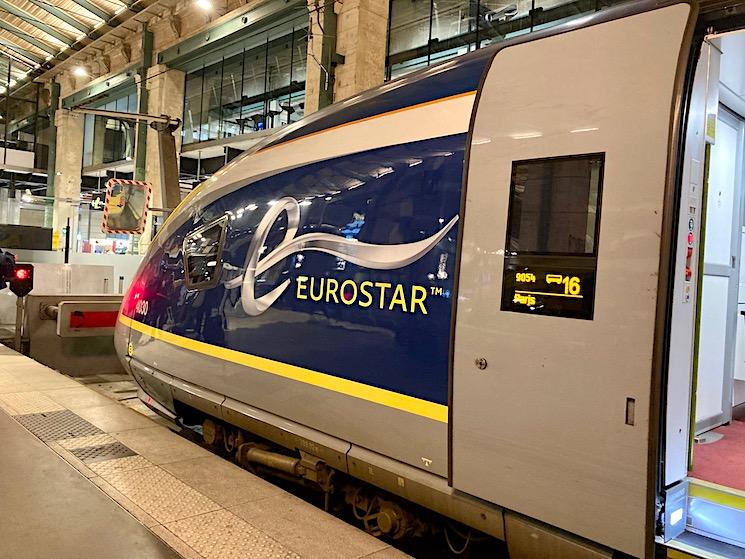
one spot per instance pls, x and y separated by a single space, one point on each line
716 512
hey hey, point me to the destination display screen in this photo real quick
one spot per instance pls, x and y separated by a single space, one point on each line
567 291
553 226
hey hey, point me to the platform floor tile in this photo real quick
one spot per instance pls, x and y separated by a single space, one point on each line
222 535
30 402
296 523
82 442
159 494
108 468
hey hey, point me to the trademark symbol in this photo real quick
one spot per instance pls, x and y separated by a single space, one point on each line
435 290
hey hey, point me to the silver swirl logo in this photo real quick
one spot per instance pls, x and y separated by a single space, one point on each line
373 256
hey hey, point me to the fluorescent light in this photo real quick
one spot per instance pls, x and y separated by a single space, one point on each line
79 71
205 5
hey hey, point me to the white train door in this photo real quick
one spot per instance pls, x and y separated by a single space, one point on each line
557 288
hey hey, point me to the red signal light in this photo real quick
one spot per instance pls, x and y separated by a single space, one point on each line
22 281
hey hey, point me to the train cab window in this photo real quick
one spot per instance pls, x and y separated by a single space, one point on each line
203 254
552 236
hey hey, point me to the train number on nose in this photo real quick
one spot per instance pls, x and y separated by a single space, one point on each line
142 307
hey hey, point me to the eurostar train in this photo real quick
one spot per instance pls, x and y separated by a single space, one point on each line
479 294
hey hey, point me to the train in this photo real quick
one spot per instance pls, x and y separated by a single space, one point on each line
467 294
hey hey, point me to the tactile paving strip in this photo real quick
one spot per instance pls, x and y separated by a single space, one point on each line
30 402
55 425
222 535
102 452
160 494
82 442
108 468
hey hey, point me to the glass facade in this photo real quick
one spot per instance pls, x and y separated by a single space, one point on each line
256 88
107 140
24 122
423 32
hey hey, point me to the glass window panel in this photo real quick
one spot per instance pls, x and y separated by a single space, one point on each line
211 93
192 106
88 140
203 254
554 205
232 75
453 18
295 104
397 70
279 59
122 104
409 25
254 83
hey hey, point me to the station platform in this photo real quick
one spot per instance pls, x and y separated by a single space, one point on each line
82 475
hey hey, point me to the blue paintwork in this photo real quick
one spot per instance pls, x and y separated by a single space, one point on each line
400 351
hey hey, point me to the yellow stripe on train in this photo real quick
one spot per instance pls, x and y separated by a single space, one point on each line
388 398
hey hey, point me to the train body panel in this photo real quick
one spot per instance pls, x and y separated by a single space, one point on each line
388 198
601 160
324 280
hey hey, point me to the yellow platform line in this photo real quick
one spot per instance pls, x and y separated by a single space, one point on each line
388 398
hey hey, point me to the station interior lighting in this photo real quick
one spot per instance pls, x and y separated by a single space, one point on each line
205 5
80 71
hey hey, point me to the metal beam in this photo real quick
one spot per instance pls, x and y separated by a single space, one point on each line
92 8
28 38
120 115
141 143
101 88
21 51
31 20
62 16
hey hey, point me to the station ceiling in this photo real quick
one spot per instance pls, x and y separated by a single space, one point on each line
39 34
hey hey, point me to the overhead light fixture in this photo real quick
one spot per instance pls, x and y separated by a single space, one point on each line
27 196
205 5
79 71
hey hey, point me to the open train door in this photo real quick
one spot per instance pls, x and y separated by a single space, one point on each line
552 373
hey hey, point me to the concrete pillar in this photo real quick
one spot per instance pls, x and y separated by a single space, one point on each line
361 40
360 43
165 97
315 75
68 170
